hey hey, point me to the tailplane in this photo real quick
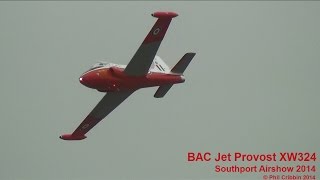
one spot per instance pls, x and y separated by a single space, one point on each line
179 68
162 90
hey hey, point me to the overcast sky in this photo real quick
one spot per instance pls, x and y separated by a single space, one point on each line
253 87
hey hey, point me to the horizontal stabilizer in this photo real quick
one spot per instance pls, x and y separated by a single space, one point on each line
162 90
181 66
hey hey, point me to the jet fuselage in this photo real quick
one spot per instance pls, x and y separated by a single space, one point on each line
112 79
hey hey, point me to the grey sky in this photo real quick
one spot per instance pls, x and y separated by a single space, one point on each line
253 87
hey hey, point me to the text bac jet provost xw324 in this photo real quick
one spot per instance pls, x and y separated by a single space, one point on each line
145 69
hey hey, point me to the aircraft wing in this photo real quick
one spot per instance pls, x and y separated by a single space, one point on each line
141 61
107 104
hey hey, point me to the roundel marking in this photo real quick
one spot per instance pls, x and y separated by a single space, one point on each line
156 31
85 126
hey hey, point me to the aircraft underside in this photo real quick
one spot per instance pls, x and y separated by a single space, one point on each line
114 79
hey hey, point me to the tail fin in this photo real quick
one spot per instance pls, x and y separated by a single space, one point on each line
158 65
181 66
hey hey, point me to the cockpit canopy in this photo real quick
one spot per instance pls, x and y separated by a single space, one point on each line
100 64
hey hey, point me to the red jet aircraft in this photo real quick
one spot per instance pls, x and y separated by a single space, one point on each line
145 69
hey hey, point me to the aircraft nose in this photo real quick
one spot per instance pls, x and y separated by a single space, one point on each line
82 81
91 80
85 80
